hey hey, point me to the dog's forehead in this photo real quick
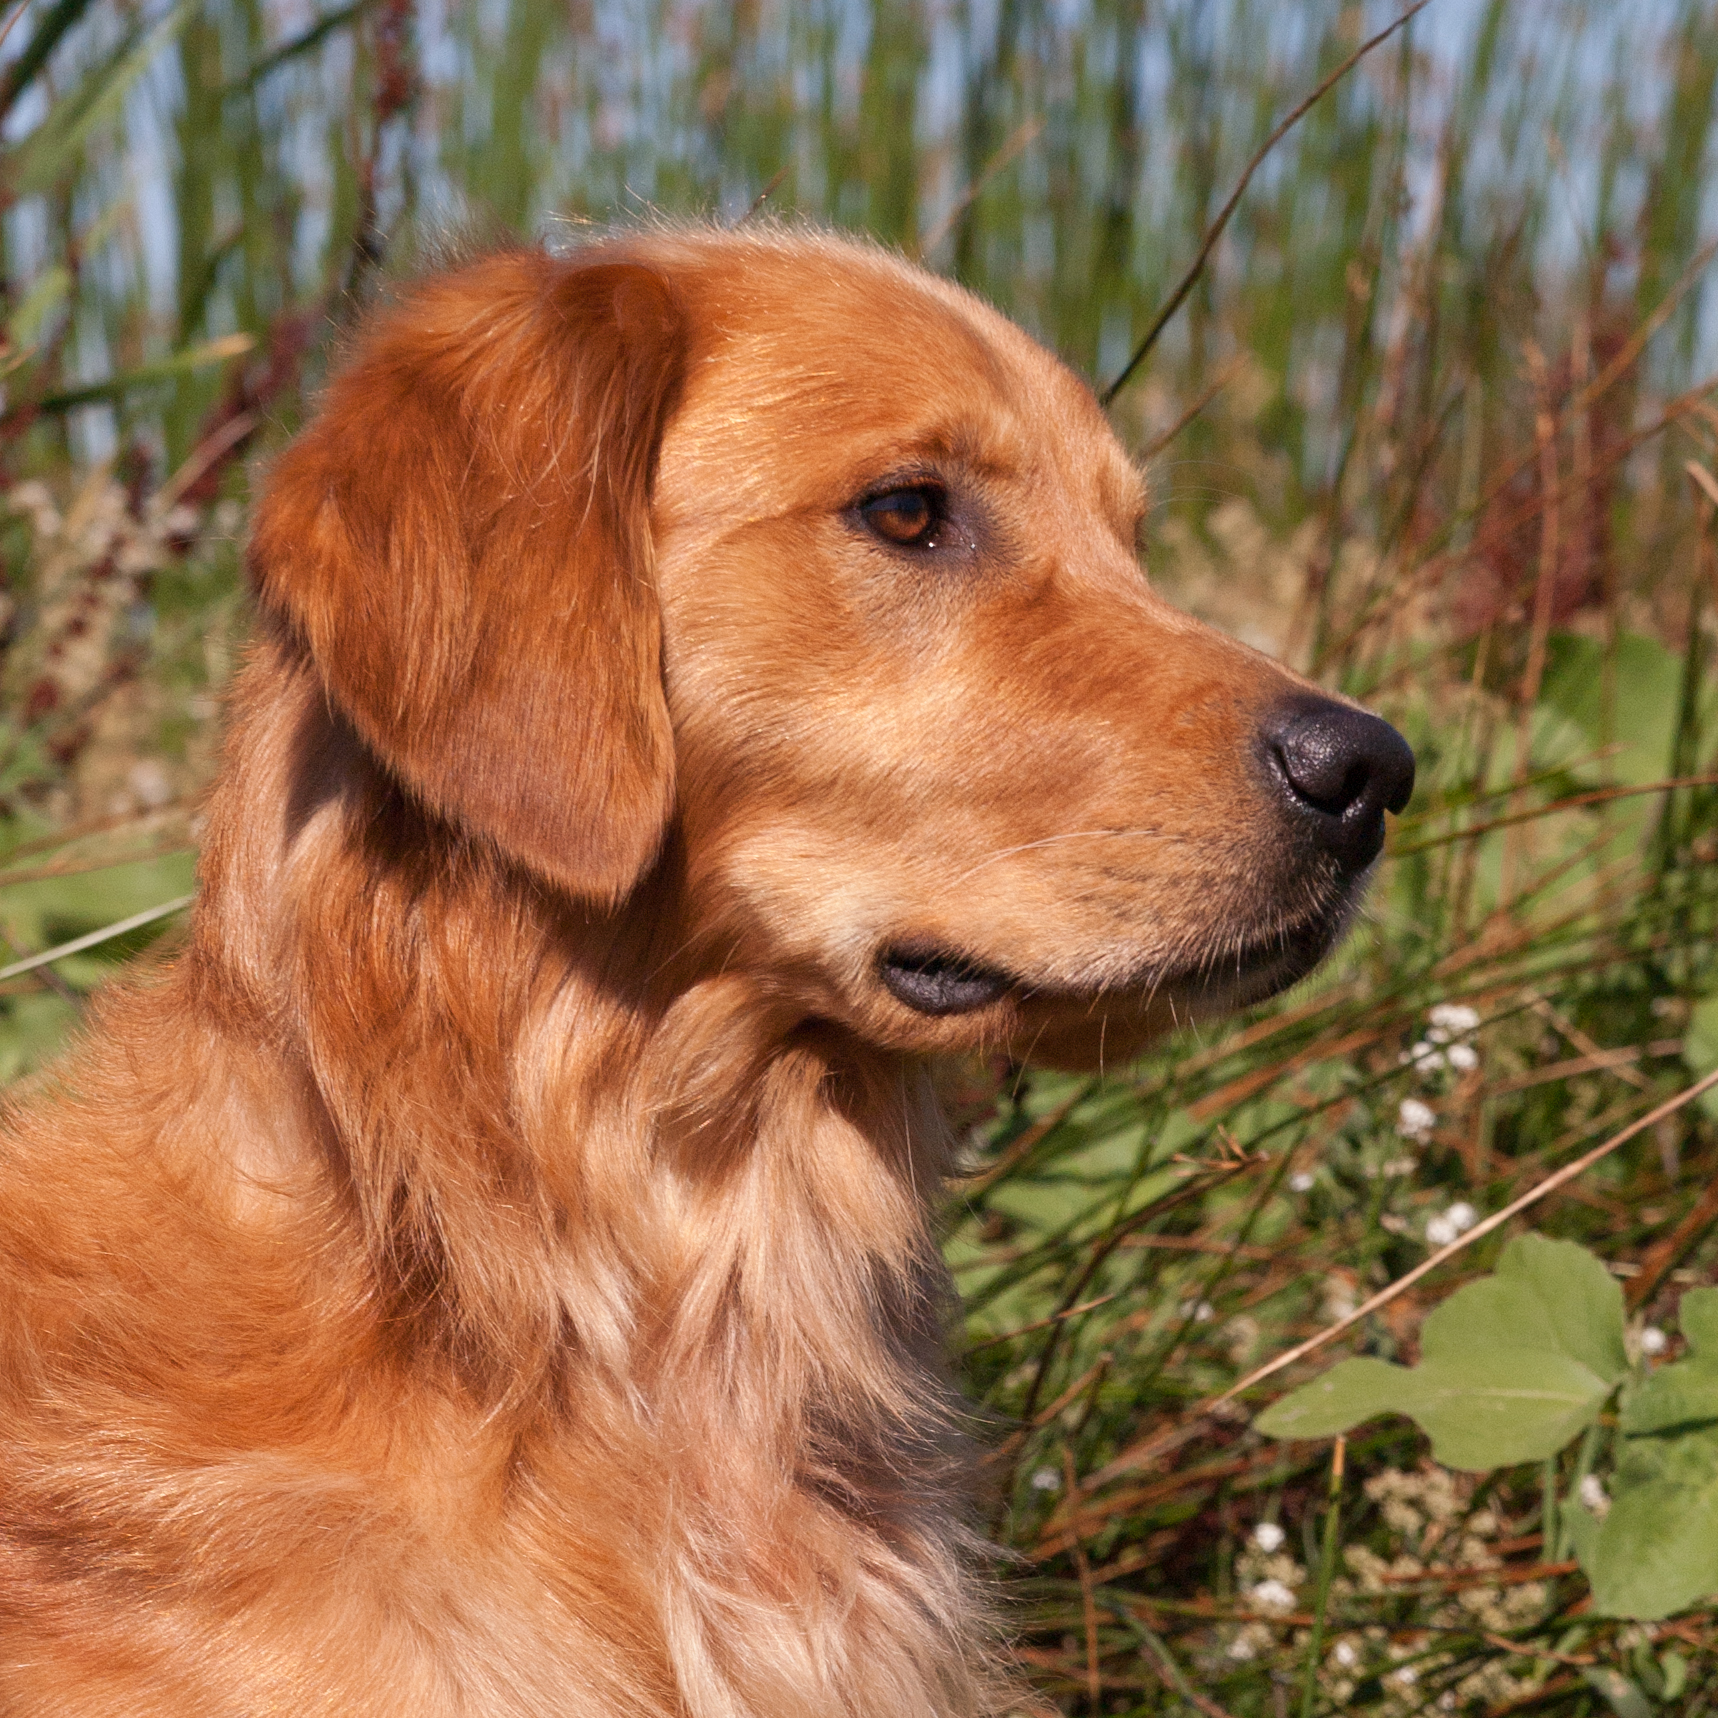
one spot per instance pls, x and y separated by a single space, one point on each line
824 360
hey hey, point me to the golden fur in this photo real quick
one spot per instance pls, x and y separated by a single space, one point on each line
488 1272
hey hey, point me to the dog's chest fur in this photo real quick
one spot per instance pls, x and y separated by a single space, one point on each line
299 1517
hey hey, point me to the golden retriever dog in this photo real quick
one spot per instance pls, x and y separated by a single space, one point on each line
698 678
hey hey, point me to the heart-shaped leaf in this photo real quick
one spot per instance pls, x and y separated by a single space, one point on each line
1514 1365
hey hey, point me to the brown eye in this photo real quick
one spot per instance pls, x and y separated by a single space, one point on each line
908 517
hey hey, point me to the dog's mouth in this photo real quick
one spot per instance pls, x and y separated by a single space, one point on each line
1233 974
937 982
1238 974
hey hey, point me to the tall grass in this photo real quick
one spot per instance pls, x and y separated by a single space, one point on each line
1438 395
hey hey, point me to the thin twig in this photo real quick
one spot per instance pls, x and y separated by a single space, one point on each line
1041 1324
1017 140
1662 1257
763 196
1088 1599
85 867
1598 796
1224 377
106 934
18 12
218 442
1544 593
1170 1673
1215 231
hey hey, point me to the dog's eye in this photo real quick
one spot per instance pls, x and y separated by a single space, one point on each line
911 518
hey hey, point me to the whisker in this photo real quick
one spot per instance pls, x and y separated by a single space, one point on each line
1049 841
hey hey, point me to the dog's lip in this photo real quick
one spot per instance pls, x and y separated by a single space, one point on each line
1258 966
938 981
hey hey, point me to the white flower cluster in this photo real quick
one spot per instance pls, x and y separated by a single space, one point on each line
1449 1026
1269 1580
1416 1120
1445 1045
1451 1224
1430 1524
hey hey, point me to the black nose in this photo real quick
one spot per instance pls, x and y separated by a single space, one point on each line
1341 770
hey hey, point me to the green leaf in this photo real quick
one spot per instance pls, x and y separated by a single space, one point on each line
33 1029
1700 1048
40 47
1657 1549
1514 1366
1623 1697
1642 719
1583 1299
1674 1398
1683 1395
1490 1408
1350 1392
1581 1527
1673 1667
1698 1316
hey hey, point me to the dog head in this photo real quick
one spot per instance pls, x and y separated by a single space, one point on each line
779 545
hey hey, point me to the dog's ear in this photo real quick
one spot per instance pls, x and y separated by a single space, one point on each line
461 543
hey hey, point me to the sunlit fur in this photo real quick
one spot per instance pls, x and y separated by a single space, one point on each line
488 1272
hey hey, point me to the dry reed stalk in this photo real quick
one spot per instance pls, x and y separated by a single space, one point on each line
1215 231
1544 595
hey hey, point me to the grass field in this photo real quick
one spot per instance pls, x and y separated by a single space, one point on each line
1436 424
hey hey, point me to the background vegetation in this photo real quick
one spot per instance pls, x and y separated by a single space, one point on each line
1434 424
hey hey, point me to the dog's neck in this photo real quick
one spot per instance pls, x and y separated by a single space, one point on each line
542 1215
568 1136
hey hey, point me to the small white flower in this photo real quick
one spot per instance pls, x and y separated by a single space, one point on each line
1301 1181
1046 1479
1272 1595
1242 1648
1593 1495
1346 1654
1398 1166
1268 1537
1464 1058
1454 1018
1416 1120
1407 1676
1457 1220
1653 1340
1200 1311
1423 1055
